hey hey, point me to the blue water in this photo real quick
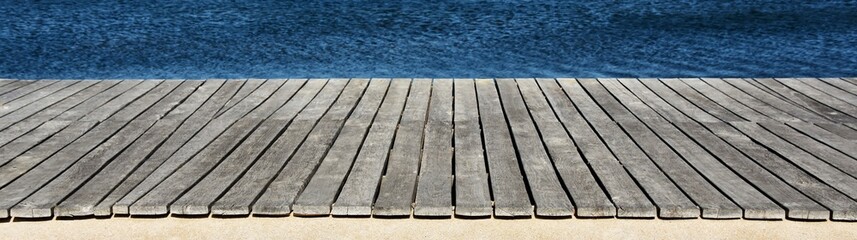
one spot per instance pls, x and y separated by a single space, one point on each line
236 39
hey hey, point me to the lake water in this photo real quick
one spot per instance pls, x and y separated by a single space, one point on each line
237 39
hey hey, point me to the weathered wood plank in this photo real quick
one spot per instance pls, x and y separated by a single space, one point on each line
210 144
472 192
87 144
817 149
747 100
199 118
727 101
21 127
25 90
12 168
33 97
763 96
754 204
396 192
710 200
239 198
250 85
28 182
26 161
588 203
808 94
104 105
586 194
669 199
655 102
31 109
281 193
507 182
841 206
156 102
362 184
835 88
159 198
838 83
548 193
700 101
832 140
631 200
797 205
686 107
12 84
197 199
434 183
820 169
84 199
840 130
320 192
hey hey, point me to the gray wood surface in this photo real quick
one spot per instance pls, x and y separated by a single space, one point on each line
278 197
839 84
750 101
834 88
472 192
196 200
813 98
358 191
507 148
25 90
17 129
668 198
711 202
434 182
507 182
835 141
674 99
35 96
797 205
191 162
212 102
250 85
777 102
578 179
818 149
548 194
320 192
587 203
396 191
841 206
308 106
753 203
727 101
631 200
34 108
700 100
156 102
820 169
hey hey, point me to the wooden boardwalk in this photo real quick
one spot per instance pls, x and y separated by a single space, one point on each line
627 148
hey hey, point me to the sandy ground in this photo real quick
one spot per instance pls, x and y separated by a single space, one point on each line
368 228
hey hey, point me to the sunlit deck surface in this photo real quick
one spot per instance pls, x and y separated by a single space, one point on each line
513 148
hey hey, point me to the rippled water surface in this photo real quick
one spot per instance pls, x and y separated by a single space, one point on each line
231 39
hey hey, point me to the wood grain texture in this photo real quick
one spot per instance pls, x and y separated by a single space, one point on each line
472 192
309 104
508 148
396 191
359 190
320 192
776 102
278 197
507 181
